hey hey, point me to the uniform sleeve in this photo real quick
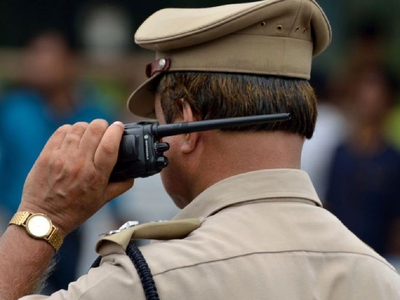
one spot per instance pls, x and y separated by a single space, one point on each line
115 278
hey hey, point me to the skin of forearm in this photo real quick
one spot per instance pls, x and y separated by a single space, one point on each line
23 263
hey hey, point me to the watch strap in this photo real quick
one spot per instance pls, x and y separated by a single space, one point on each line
20 218
54 238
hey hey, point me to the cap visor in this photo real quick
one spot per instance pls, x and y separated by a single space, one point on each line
141 101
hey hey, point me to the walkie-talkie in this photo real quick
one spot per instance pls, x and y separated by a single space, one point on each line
141 152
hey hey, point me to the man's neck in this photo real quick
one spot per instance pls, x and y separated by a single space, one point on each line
232 153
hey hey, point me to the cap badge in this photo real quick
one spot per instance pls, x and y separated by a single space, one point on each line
159 65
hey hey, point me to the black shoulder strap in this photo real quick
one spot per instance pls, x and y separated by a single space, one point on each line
143 270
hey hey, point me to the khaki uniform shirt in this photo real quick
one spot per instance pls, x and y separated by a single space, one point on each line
264 235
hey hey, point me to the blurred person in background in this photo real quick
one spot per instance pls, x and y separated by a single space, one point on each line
48 96
330 129
364 182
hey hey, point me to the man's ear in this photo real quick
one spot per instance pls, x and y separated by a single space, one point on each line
190 139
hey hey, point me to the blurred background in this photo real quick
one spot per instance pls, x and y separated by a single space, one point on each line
66 61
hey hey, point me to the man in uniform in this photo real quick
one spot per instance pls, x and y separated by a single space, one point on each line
252 226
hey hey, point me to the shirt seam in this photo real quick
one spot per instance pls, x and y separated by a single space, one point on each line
95 285
277 252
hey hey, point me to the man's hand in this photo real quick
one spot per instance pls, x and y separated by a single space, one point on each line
69 181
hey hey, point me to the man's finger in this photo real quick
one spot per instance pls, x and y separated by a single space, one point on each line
106 154
92 136
57 138
74 135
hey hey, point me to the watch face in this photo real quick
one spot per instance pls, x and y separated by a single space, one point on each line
38 225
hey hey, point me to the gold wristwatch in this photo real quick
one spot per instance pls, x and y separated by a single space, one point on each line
38 226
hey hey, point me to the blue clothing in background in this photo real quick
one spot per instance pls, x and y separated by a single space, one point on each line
364 193
26 123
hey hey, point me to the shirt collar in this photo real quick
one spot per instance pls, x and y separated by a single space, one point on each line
269 185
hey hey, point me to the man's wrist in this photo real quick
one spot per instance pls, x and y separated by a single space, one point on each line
23 262
56 219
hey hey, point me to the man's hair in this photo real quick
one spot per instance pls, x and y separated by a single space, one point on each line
222 95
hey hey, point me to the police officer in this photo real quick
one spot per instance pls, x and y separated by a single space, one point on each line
251 225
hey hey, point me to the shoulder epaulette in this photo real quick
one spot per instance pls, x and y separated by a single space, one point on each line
164 230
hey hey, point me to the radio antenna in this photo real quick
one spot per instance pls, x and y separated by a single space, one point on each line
160 131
